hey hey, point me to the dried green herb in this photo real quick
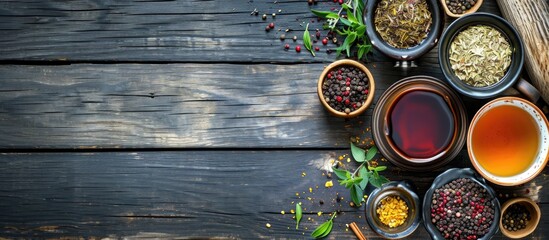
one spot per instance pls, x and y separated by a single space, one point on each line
307 40
367 172
403 23
298 214
324 229
480 55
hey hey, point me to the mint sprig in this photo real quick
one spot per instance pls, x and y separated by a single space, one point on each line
365 174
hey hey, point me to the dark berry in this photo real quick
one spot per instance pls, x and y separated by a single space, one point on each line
298 48
317 49
324 41
271 25
287 46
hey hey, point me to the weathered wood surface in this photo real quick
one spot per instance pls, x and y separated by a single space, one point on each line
531 19
188 194
203 124
174 106
159 31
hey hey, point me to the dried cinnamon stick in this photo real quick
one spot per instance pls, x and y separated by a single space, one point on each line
357 231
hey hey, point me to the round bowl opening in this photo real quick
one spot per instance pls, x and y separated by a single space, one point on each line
517 55
446 178
411 53
531 225
370 88
403 191
520 173
383 132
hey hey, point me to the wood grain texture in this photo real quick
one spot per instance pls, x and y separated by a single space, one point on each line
531 19
161 31
187 194
176 106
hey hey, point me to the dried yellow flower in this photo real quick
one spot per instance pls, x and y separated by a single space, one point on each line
392 211
329 184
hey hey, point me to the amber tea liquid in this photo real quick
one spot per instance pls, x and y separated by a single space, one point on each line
505 140
421 124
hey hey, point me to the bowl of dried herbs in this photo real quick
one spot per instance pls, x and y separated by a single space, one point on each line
403 29
481 55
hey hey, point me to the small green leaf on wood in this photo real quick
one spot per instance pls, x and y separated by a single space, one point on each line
371 153
324 229
307 40
340 173
325 14
357 194
358 153
298 214
362 172
380 168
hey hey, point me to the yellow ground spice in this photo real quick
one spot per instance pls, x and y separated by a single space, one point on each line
392 211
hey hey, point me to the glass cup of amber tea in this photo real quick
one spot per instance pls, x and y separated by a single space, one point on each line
508 141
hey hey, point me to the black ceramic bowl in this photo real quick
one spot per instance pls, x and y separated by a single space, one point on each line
381 125
406 53
405 191
517 57
446 177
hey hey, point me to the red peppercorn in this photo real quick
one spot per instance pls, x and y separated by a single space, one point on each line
298 48
347 101
267 28
339 77
317 34
324 41
339 71
287 46
348 83
340 1
317 49
271 25
335 1
329 75
339 98
366 91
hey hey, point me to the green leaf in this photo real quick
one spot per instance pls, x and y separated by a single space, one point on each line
307 40
345 21
376 180
380 168
340 173
362 172
324 229
349 40
361 30
298 214
350 16
361 51
371 153
358 153
325 14
357 194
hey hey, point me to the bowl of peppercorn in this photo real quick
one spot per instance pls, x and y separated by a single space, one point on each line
403 29
460 205
394 211
346 88
458 8
520 217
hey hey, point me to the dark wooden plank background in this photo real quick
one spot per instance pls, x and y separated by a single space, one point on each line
178 119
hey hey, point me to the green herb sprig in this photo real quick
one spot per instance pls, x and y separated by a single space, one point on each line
357 181
307 40
298 214
353 27
324 229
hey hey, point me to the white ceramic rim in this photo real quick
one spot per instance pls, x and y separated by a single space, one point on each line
543 149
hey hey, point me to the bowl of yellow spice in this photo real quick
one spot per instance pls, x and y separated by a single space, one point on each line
481 55
393 211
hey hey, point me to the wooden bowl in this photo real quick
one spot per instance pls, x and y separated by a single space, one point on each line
535 215
371 88
473 9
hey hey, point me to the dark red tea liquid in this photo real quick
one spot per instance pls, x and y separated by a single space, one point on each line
421 124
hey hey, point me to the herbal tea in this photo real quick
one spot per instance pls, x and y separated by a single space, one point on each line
505 140
403 23
422 124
